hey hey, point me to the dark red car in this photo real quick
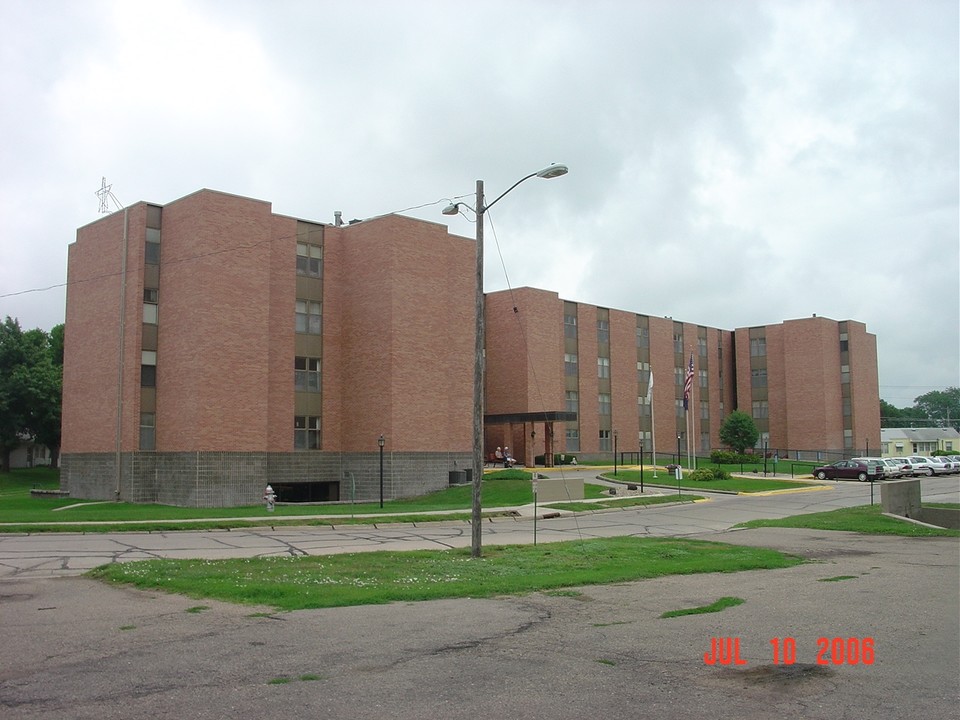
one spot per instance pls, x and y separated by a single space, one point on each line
848 470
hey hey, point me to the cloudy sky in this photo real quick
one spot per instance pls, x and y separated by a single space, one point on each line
732 163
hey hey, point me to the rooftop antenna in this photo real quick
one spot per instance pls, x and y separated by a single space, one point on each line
106 194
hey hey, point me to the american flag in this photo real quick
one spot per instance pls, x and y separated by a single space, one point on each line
688 384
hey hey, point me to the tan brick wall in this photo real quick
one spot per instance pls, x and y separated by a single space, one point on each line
623 376
812 384
864 386
92 337
214 324
399 336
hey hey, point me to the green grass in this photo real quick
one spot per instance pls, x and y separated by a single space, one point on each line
838 578
615 502
867 519
736 484
505 488
384 577
721 604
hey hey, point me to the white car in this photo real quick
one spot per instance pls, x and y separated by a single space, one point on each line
926 466
894 469
947 466
908 467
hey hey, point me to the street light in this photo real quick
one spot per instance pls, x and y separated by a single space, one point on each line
479 341
380 442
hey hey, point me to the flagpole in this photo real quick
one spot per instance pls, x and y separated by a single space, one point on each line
653 425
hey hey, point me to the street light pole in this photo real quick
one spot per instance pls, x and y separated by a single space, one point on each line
380 442
478 348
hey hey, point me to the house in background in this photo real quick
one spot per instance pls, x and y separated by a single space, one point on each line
897 442
30 454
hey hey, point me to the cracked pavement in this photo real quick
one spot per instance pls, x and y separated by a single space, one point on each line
77 648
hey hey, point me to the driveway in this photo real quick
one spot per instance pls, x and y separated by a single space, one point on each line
76 648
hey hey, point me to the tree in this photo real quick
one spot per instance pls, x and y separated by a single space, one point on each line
940 406
31 379
739 431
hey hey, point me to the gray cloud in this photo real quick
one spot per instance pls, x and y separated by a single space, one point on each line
731 164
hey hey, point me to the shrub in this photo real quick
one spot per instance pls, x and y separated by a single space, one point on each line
728 457
723 457
701 475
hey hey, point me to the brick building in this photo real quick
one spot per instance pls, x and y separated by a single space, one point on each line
242 340
810 384
212 346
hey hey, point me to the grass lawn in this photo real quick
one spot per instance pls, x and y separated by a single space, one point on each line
383 577
504 488
622 502
867 519
735 484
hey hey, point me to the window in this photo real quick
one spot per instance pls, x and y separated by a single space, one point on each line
603 332
151 248
643 406
844 374
760 409
573 401
149 313
605 440
948 445
309 260
758 347
604 402
570 326
603 367
679 376
570 365
847 410
704 411
573 439
678 343
678 407
148 376
150 295
643 375
643 337
758 377
844 342
148 431
702 374
702 347
306 374
308 317
306 433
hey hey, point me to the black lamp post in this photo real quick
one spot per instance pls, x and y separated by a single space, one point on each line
614 453
641 466
381 442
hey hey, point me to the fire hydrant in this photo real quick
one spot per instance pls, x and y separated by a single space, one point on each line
270 497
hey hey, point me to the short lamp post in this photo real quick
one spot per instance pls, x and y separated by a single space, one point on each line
381 442
479 342
614 453
641 466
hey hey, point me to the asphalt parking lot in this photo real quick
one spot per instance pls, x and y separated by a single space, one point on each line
76 648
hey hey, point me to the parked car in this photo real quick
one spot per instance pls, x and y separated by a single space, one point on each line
907 467
926 466
850 470
942 465
893 468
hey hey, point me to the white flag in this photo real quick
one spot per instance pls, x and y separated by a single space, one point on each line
650 386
